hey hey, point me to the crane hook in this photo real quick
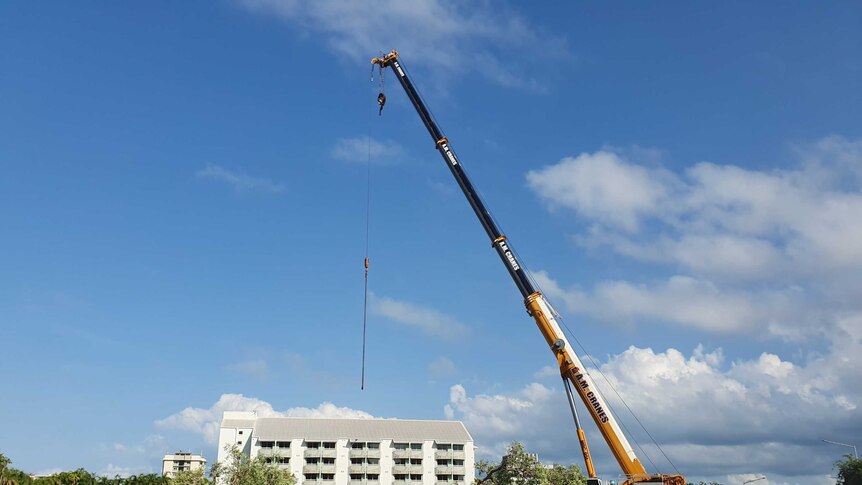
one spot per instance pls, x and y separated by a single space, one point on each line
381 100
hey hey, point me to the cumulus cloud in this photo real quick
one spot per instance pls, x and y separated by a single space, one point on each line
692 302
603 186
238 179
431 322
206 421
773 253
359 149
720 220
485 36
715 417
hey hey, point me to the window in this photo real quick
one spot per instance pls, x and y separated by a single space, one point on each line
400 446
416 477
329 445
442 462
311 461
458 477
416 446
312 445
356 476
240 431
401 461
458 462
357 445
458 447
356 461
310 476
328 461
399 476
239 442
373 446
327 476
373 476
282 444
444 446
267 444
373 461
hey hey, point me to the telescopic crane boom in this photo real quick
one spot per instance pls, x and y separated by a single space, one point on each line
571 368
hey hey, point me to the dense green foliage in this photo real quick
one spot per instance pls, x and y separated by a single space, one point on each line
849 471
239 469
11 476
524 468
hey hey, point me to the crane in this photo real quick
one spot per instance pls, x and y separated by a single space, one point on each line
572 369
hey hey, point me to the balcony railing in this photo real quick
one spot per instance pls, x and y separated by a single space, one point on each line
449 470
364 453
321 452
406 453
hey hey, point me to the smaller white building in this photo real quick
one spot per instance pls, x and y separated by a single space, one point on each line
182 461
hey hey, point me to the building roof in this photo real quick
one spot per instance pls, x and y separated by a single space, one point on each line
287 428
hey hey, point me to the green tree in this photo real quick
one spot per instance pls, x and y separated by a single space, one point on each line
849 471
239 469
560 475
190 477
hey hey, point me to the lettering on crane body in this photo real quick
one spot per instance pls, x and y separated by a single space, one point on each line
449 154
512 261
398 68
591 397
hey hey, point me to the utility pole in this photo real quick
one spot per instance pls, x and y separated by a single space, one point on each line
856 455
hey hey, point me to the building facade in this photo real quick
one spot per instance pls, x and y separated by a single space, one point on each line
182 461
322 451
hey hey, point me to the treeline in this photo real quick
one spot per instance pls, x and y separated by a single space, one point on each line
239 470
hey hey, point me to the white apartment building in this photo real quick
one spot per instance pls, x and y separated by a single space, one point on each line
321 451
181 461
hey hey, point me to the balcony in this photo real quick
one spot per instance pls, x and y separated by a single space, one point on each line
319 468
406 453
320 452
407 469
318 482
449 455
449 470
373 469
364 453
364 482
452 482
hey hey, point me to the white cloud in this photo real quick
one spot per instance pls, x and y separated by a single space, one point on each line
546 372
713 418
441 367
602 186
257 368
721 220
206 421
238 179
431 322
491 38
359 149
772 253
693 302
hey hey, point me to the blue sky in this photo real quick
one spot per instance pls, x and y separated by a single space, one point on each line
183 209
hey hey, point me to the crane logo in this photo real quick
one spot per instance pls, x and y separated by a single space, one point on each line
594 401
449 154
512 261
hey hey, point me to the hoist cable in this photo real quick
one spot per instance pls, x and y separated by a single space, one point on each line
367 239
